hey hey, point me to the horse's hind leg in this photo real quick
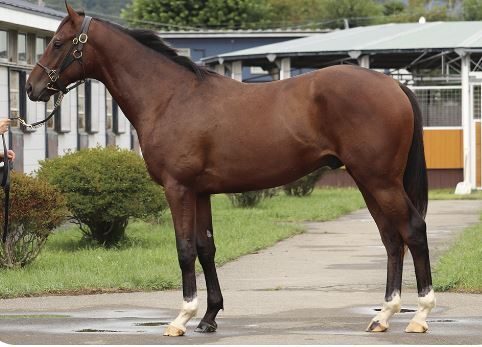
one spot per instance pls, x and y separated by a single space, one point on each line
395 251
206 251
400 215
416 239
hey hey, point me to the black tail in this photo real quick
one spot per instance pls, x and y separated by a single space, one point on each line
415 176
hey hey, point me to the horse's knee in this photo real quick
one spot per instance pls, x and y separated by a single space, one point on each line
186 254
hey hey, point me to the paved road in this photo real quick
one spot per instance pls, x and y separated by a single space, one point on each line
319 287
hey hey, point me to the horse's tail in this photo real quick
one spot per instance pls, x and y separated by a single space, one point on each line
415 176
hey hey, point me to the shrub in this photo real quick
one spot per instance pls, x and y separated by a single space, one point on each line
36 208
104 188
252 198
305 185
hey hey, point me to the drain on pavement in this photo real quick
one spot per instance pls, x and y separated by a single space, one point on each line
403 310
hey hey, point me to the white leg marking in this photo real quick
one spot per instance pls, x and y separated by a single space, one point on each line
209 233
389 309
189 310
425 305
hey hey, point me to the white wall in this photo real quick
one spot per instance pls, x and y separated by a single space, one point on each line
97 115
34 141
123 140
68 140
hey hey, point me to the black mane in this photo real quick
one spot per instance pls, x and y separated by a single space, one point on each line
150 39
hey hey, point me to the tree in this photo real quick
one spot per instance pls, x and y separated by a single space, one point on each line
472 9
226 14
359 12
292 13
393 7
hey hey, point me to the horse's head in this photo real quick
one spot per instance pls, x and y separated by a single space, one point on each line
63 61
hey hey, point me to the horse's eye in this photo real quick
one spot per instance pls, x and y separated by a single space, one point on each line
57 44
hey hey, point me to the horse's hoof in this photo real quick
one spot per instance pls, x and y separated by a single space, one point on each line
174 331
377 327
416 327
205 327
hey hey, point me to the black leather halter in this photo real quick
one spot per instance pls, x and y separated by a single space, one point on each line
74 54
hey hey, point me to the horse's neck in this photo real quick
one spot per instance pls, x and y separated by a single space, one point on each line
141 80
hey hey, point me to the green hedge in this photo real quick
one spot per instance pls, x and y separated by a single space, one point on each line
105 187
36 208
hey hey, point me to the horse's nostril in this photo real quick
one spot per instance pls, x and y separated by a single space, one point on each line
29 88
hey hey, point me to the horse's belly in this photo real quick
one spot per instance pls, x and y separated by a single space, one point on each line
258 172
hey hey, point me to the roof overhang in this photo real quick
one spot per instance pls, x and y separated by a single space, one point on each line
30 20
397 43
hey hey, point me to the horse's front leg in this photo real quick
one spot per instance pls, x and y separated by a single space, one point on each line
182 202
206 252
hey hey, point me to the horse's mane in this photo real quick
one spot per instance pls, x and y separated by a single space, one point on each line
150 39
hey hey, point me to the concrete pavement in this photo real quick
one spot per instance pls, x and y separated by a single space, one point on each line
319 287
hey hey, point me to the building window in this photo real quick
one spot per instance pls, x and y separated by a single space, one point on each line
3 44
49 108
81 107
184 52
22 48
14 94
17 95
109 110
39 48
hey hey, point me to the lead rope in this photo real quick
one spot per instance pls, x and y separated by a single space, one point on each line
6 189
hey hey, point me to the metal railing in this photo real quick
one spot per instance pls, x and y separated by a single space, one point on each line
441 106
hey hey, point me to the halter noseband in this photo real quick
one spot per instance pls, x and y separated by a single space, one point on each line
74 54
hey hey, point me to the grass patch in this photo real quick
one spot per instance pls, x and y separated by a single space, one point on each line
148 259
448 194
460 269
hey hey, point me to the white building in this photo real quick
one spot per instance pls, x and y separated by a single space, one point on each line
88 116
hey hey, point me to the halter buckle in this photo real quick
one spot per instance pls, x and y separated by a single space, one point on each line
83 38
75 41
53 75
77 54
51 87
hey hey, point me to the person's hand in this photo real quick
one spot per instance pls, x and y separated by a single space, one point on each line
4 124
11 155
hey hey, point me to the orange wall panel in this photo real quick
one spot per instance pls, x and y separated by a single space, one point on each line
443 148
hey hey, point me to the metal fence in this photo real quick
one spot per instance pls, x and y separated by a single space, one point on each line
441 106
476 93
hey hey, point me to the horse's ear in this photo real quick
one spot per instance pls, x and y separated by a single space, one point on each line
71 11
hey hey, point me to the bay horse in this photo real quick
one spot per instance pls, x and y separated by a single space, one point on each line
203 134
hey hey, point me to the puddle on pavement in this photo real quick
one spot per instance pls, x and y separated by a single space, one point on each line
442 321
403 310
97 331
151 324
33 316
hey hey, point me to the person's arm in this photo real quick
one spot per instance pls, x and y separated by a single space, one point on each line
4 124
